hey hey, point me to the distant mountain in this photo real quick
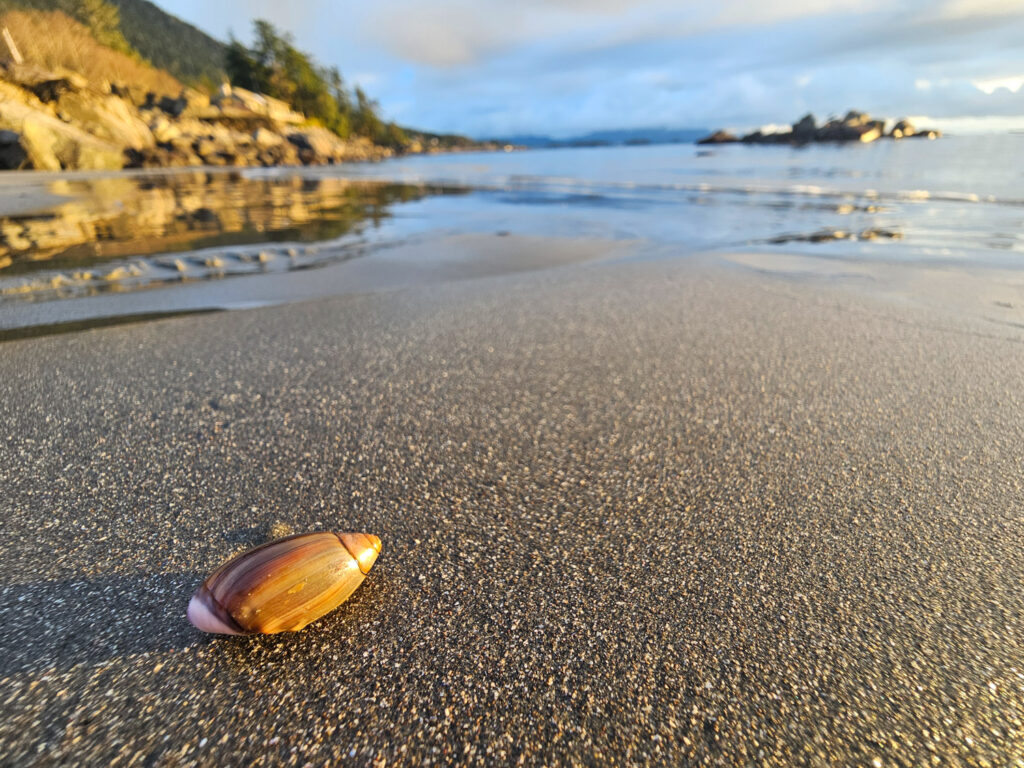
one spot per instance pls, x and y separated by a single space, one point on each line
164 40
610 138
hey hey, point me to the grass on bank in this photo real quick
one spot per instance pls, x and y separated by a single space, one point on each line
51 39
163 40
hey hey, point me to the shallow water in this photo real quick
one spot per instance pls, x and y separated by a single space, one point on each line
119 233
954 199
956 202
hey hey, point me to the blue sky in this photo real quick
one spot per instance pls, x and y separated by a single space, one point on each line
565 67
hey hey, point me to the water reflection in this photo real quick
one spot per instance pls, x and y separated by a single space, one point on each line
110 233
115 218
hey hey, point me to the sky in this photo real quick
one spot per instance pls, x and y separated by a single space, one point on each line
491 68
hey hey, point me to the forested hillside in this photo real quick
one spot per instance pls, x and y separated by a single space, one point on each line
172 44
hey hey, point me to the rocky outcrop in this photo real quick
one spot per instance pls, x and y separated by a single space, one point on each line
239 128
46 142
853 127
856 126
904 129
197 142
46 85
58 121
719 137
804 130
231 97
107 117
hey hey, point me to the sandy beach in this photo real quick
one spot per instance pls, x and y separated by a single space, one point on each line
632 512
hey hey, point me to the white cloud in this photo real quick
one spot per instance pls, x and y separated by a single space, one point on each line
990 86
964 9
450 33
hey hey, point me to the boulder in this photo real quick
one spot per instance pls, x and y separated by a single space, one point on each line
109 118
926 133
805 129
719 137
13 94
772 137
161 157
163 130
265 139
173 107
205 148
870 130
855 119
198 102
47 85
13 156
181 144
903 128
318 145
856 126
283 154
51 144
40 144
188 101
230 97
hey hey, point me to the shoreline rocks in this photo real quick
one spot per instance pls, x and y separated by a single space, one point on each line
853 127
58 121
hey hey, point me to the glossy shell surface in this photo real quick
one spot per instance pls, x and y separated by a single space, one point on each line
283 585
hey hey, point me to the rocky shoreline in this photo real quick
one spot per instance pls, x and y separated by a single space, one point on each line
57 120
854 127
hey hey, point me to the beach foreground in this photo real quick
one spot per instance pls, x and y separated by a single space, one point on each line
646 512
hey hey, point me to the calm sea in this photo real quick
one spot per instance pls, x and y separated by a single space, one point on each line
957 198
954 201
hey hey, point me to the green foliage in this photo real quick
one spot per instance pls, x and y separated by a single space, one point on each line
102 19
274 66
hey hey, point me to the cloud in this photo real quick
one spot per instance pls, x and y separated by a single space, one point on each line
450 33
964 9
1012 84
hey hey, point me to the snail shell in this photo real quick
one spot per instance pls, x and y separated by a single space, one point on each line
283 585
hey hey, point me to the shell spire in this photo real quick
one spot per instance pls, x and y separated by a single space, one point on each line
283 585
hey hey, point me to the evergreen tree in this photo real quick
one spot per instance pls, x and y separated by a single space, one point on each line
274 66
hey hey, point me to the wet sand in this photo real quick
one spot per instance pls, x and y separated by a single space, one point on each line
632 512
422 261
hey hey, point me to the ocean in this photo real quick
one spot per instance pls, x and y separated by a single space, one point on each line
83 248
